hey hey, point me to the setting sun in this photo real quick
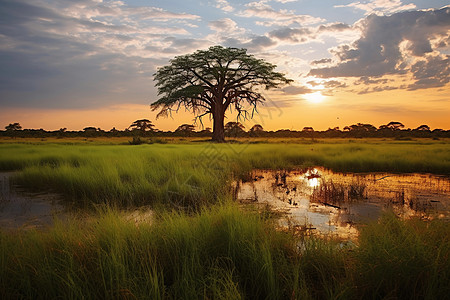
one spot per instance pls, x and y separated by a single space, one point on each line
315 97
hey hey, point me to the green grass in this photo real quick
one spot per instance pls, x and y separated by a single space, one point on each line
210 248
222 253
405 260
192 175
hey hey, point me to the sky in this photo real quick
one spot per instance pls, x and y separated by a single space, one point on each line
78 63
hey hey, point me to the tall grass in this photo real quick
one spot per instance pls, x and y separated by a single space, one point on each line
222 253
217 251
191 175
405 260
215 254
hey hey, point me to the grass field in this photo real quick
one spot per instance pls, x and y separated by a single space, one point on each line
193 174
222 253
210 248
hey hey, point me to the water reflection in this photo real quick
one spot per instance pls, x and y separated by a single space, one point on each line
26 210
313 182
333 203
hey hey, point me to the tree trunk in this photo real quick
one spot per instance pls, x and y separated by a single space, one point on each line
218 126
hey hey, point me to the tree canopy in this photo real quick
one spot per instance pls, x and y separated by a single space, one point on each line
186 129
234 129
208 82
13 127
142 125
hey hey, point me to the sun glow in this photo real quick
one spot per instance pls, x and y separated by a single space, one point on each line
315 97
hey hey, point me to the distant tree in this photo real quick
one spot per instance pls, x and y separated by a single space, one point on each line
360 130
13 127
211 81
61 132
113 132
90 129
234 129
205 132
142 125
423 128
391 129
392 126
185 129
332 132
363 127
308 131
256 130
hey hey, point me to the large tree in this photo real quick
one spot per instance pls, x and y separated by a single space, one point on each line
208 82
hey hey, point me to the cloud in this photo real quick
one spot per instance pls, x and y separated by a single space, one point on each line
279 18
178 46
380 7
289 35
254 43
297 90
399 44
433 71
327 87
229 34
226 26
367 80
321 61
285 1
75 54
224 5
334 84
335 27
380 88
292 35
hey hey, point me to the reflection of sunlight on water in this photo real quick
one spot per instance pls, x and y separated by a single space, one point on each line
313 182
408 195
311 177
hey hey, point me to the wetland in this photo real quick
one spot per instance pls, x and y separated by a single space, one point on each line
233 221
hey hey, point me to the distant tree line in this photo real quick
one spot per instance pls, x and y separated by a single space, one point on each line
145 128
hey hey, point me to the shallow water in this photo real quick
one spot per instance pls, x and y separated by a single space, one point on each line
20 209
319 200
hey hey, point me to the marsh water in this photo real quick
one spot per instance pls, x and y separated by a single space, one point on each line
310 200
319 200
23 209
